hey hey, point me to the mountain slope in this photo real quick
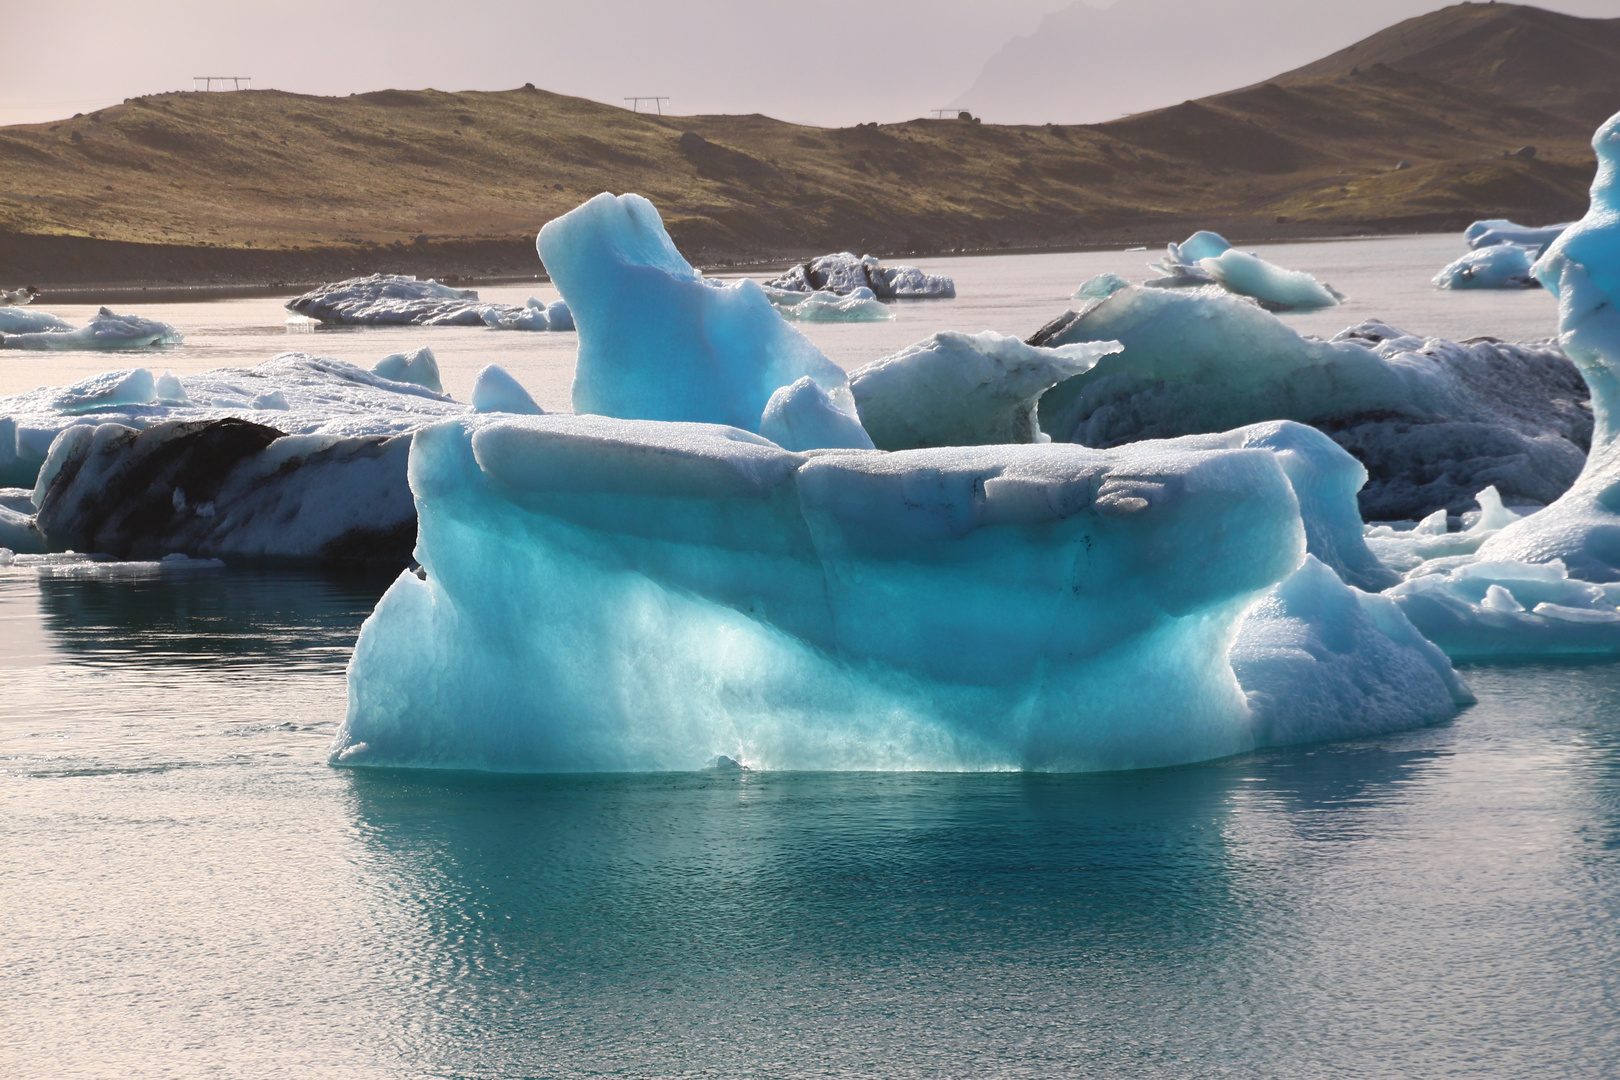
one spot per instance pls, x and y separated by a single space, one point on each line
265 185
1557 63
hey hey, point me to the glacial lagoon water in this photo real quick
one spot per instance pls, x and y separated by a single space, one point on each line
188 889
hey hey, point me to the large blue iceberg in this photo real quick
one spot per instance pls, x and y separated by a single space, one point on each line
656 342
621 595
658 585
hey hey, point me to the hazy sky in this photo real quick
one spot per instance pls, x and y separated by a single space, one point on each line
831 62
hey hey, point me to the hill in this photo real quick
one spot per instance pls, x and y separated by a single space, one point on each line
271 186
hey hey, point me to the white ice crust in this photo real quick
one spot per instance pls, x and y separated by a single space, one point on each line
1435 421
106 331
843 273
956 389
295 393
1484 234
402 300
1206 258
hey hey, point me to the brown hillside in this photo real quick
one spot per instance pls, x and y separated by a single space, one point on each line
266 185
1557 63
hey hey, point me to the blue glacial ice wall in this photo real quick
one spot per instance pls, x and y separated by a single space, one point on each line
658 343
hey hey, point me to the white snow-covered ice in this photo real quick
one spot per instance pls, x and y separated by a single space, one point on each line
402 300
1488 233
106 331
1206 258
957 389
843 273
1497 266
1434 421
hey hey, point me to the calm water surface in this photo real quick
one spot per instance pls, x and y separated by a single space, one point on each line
189 890
1385 279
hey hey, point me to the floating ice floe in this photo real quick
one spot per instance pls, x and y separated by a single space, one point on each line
843 273
299 459
1205 258
657 342
1499 266
1484 234
859 305
1035 606
1434 421
964 389
402 300
106 331
18 297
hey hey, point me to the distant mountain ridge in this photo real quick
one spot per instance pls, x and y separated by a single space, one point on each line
1528 56
1412 128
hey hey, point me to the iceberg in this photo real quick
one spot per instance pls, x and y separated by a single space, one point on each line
1499 266
859 305
1433 421
1484 234
656 342
802 417
419 366
106 331
1206 258
18 297
607 594
402 300
228 489
15 320
1273 287
496 391
843 273
957 389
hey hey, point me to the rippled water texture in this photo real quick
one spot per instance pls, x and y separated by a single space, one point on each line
189 890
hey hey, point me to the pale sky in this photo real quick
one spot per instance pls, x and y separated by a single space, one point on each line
833 62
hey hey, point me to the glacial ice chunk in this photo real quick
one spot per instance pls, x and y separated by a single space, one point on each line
1025 606
1582 268
658 343
1179 268
1484 234
106 331
418 366
496 391
1275 288
295 392
1434 421
16 320
230 489
957 389
402 300
843 273
1322 660
1499 266
803 417
860 305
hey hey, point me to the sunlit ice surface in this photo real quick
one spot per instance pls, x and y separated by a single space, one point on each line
189 889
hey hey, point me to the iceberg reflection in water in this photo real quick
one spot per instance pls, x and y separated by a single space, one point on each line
192 889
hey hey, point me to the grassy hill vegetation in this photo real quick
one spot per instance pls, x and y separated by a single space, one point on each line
1401 132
